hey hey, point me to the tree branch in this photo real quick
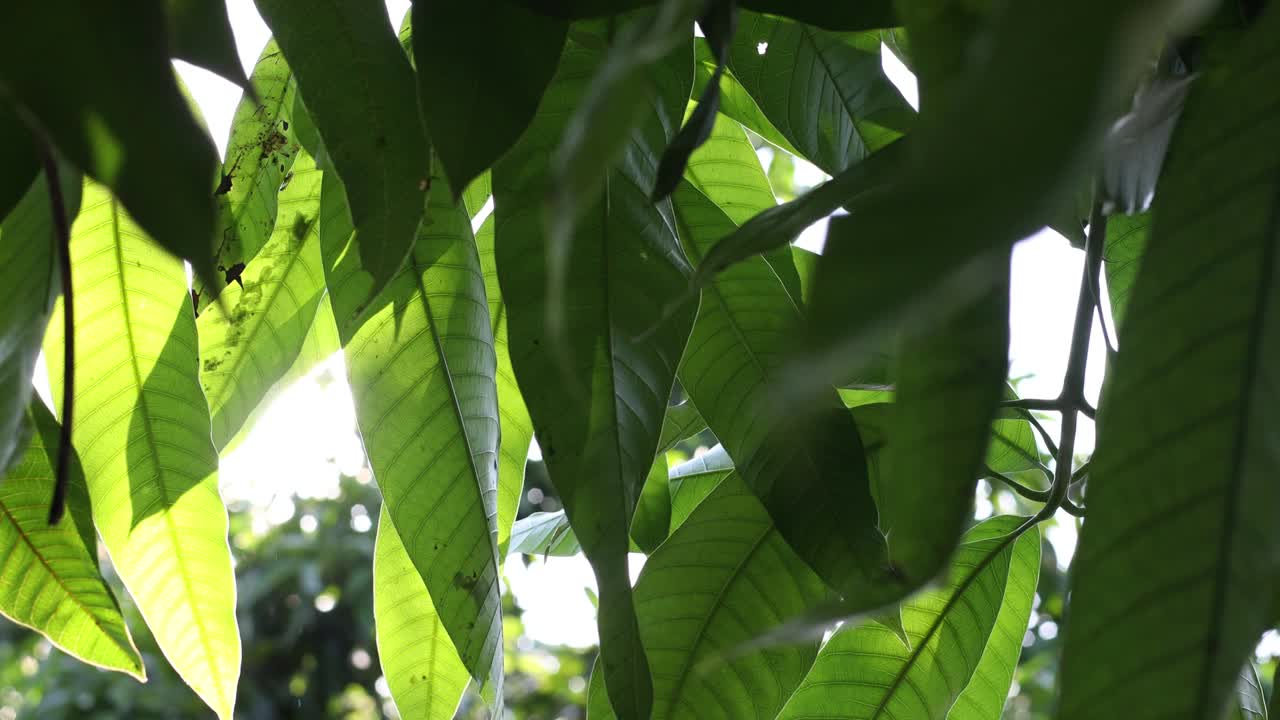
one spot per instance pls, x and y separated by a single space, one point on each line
62 251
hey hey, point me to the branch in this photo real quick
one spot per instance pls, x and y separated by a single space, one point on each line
1054 404
1023 490
62 249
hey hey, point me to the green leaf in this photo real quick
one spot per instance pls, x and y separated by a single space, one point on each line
692 481
544 533
142 428
735 101
744 580
827 96
422 375
262 147
137 137
359 89
478 96
599 431
513 415
652 518
423 670
1182 484
809 471
1251 699
1122 253
681 422
861 15
865 671
250 340
1029 120
200 33
29 284
949 380
19 163
985 695
50 580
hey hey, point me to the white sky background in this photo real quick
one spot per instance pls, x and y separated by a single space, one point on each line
307 435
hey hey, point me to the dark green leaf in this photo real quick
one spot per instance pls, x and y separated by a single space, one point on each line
359 89
860 15
110 102
652 518
479 95
19 162
422 375
681 422
829 97
200 33
735 101
1177 564
50 580
599 431
1122 255
1251 699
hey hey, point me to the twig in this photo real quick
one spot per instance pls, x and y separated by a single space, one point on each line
1034 404
1072 508
1023 490
1049 443
62 249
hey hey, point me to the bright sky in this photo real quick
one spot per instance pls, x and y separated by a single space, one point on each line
306 437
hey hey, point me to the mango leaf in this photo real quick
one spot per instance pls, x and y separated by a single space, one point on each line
652 518
359 89
477 97
200 33
251 339
812 481
422 375
735 101
137 137
421 665
829 97
1182 480
949 380
262 146
19 162
142 429
599 432
513 416
865 671
1122 255
1037 116
692 481
29 284
681 422
985 695
745 579
1251 699
544 533
50 580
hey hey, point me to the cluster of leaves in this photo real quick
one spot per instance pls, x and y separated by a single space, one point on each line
635 283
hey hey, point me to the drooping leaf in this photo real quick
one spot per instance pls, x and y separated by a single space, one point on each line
744 580
29 284
808 471
262 147
50 580
142 429
865 671
829 97
19 162
949 379
422 375
477 97
1031 120
359 89
1122 256
137 136
422 667
200 33
1251 699
250 340
1180 533
598 432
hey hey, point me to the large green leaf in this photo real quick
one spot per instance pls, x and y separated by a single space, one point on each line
681 422
809 472
827 96
866 671
359 89
949 379
29 285
483 66
725 576
1177 564
421 665
692 481
19 162
262 146
1000 148
735 101
111 104
142 428
513 416
49 580
249 341
200 33
422 374
599 431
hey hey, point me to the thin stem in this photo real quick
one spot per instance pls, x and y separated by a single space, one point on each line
1034 404
1023 490
62 249
1049 443
1072 508
1081 473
